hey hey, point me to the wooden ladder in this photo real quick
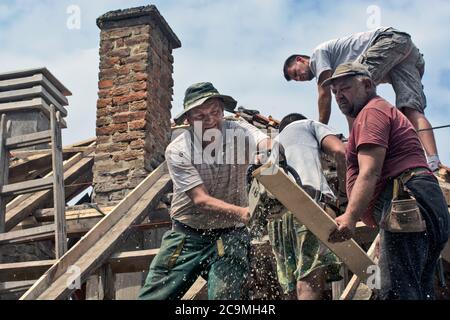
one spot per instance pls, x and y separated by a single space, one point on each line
54 181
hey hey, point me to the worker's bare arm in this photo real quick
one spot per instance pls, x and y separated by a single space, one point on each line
334 147
324 101
201 198
370 160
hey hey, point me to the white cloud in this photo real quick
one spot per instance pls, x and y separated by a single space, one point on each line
240 46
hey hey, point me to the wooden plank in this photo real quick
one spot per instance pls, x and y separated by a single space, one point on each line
59 203
445 186
122 262
313 217
28 140
84 211
33 234
132 261
29 186
198 291
23 206
96 246
354 282
4 170
72 212
30 153
446 252
75 228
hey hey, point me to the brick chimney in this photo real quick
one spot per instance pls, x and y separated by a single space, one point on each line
134 99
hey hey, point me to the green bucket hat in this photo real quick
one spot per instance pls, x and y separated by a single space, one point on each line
199 93
348 69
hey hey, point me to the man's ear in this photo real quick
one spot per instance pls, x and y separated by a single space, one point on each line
300 59
368 84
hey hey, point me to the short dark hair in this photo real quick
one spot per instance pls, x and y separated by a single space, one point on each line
289 119
289 62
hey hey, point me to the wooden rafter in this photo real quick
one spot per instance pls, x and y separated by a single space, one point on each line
99 243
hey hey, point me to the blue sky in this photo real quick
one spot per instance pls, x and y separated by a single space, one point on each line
240 46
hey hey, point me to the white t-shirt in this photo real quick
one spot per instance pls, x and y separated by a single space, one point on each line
329 55
302 141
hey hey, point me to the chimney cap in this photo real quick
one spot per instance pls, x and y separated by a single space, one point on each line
137 16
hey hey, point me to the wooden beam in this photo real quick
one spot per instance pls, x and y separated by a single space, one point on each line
445 186
29 140
446 252
313 217
355 282
99 243
4 171
59 203
76 228
31 234
30 186
24 205
198 291
122 262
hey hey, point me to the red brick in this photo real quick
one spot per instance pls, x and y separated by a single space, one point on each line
102 103
112 128
141 76
137 124
122 53
120 90
137 144
136 96
104 84
102 121
128 155
111 147
129 136
139 105
143 57
139 86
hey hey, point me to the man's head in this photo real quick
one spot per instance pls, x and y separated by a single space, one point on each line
202 102
289 119
296 67
352 86
210 114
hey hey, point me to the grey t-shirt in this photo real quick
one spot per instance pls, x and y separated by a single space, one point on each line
190 167
302 141
329 55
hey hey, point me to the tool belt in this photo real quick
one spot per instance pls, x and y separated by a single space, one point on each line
404 214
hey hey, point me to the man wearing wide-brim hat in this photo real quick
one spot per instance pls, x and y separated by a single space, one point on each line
209 208
385 162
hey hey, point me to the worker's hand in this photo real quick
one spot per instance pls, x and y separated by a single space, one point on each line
244 215
345 230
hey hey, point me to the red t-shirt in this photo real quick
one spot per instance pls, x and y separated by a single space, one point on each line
381 124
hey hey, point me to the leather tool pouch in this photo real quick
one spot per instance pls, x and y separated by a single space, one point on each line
404 214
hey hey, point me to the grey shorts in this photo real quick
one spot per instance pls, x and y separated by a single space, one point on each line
394 58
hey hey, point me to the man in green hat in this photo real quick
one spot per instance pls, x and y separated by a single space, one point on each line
385 159
209 208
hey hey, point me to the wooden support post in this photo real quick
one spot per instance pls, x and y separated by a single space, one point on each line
58 185
107 283
355 282
4 169
309 213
